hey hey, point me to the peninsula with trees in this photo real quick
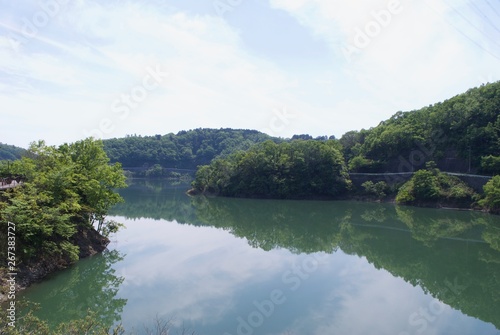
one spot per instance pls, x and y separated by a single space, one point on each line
460 135
59 211
425 157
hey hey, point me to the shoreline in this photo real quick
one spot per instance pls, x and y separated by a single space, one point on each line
91 242
88 240
359 198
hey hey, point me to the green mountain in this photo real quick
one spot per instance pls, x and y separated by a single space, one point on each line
184 150
10 152
461 134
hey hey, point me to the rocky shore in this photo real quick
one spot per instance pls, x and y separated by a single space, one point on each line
89 241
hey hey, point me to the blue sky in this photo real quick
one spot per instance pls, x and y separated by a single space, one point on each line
72 69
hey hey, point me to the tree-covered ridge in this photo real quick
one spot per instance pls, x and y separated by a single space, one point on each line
450 133
460 134
296 169
67 191
185 150
10 152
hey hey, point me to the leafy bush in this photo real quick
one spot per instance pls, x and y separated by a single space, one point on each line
376 189
64 187
432 186
425 185
491 200
490 164
363 164
405 193
156 171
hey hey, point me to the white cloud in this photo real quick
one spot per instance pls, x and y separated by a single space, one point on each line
203 275
211 77
90 54
416 56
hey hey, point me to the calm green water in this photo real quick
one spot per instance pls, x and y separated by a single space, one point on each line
237 266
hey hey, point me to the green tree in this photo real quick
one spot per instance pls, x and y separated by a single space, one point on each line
453 133
425 185
375 189
156 171
298 169
491 200
96 180
186 149
10 152
490 164
67 189
432 186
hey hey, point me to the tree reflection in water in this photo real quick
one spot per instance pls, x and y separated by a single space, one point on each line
91 284
453 255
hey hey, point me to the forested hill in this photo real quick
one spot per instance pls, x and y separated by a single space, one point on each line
463 129
461 134
10 152
184 150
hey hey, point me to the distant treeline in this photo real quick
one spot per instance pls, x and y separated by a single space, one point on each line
188 149
10 152
184 150
460 134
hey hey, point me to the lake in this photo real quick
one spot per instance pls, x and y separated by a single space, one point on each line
219 266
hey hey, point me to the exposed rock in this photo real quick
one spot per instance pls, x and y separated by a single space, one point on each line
87 239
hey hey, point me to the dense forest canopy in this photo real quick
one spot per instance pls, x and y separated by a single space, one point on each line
459 133
298 169
10 152
66 190
184 150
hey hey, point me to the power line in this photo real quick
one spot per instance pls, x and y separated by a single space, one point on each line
462 33
483 15
492 8
472 24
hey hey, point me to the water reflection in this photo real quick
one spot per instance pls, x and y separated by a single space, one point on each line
90 284
156 199
453 256
440 251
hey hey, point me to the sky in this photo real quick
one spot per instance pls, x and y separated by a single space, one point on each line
80 68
